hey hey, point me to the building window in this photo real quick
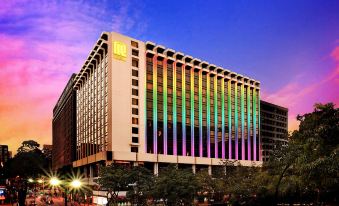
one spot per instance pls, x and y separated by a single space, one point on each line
135 101
135 130
149 86
134 120
149 77
135 62
134 44
135 92
135 139
135 52
134 149
134 82
135 73
135 111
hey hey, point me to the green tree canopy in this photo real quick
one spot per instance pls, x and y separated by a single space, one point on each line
28 146
28 162
175 186
309 163
141 181
113 178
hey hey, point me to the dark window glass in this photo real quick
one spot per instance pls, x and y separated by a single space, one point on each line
135 101
135 62
135 139
135 92
135 130
134 82
135 111
135 52
134 149
135 73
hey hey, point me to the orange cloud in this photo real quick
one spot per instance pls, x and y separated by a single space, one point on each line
41 45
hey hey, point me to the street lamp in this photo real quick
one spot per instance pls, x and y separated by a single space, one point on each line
42 181
54 181
30 180
76 184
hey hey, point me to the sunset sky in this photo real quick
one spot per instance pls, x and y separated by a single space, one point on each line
291 47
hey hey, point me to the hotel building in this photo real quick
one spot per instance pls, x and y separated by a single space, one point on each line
141 103
274 127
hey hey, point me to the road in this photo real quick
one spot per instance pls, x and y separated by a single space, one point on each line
58 201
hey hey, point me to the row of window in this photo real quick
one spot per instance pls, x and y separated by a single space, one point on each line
92 126
135 96
202 104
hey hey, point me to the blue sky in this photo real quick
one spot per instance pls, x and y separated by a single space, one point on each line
291 47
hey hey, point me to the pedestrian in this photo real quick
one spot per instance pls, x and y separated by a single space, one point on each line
22 196
51 202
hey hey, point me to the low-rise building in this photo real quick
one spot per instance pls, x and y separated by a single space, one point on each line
274 127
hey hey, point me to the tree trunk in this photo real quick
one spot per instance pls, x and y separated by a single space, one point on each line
278 184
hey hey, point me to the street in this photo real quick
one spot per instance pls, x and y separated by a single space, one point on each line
57 201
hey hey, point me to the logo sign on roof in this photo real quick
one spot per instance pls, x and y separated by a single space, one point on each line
119 50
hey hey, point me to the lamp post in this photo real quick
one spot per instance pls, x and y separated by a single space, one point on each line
74 184
30 180
55 182
42 180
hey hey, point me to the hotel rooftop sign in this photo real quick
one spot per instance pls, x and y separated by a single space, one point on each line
119 50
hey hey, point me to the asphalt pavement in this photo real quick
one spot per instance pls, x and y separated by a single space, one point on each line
57 201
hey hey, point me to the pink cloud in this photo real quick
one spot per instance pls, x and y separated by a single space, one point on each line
300 98
41 44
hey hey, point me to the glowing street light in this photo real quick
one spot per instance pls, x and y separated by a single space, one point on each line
76 184
40 181
54 181
30 180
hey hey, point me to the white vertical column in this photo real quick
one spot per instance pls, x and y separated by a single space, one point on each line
156 168
194 169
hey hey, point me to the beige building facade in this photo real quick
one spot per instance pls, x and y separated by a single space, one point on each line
142 103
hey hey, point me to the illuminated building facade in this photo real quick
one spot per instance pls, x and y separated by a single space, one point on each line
274 127
142 103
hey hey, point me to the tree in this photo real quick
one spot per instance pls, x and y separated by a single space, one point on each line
308 165
114 178
282 163
207 185
28 162
175 186
211 187
28 146
141 181
318 138
240 182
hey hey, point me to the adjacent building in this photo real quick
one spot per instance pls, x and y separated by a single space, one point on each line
274 127
4 154
64 128
46 147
